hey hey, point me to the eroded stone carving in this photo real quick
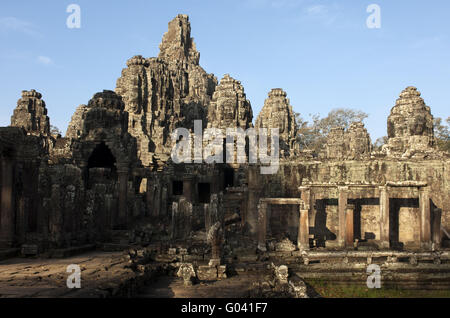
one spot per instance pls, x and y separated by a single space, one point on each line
229 107
187 272
410 125
163 93
31 114
277 113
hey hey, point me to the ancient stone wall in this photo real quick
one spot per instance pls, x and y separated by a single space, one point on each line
113 167
327 177
353 143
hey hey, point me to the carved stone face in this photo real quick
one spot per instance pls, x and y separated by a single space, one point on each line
228 107
282 273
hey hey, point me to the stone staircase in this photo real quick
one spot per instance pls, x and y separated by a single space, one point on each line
120 240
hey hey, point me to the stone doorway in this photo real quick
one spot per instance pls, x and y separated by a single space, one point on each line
228 178
404 226
283 223
204 192
102 157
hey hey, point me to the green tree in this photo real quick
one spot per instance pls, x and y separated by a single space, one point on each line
442 133
312 136
380 142
54 131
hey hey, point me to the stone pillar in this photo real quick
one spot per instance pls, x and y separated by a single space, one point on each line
244 207
308 200
157 201
188 189
303 228
425 218
123 189
254 189
149 197
22 207
437 213
384 218
349 226
7 204
342 206
262 225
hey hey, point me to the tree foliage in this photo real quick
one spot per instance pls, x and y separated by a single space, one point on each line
55 131
313 135
442 133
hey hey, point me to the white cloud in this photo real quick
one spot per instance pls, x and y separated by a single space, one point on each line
316 9
325 14
8 24
44 60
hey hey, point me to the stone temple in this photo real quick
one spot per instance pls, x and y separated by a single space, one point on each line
111 183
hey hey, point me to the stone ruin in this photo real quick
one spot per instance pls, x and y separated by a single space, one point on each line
277 113
31 114
229 106
110 180
163 93
410 126
350 144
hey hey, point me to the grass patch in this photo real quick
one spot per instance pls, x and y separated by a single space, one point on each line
337 290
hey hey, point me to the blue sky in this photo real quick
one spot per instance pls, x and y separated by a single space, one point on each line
320 52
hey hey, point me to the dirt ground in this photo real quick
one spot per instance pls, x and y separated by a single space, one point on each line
172 287
40 277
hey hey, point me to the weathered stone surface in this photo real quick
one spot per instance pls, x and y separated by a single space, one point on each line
163 93
177 44
75 128
281 273
31 114
285 246
207 273
360 145
110 181
229 107
187 272
277 113
410 125
350 144
181 219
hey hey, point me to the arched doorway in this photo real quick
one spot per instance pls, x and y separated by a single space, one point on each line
102 157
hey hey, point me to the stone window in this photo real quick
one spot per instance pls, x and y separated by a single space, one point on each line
177 187
228 178
204 192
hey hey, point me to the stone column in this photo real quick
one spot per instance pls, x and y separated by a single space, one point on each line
149 197
384 217
262 225
157 200
303 228
123 189
425 218
342 206
244 207
187 189
22 207
7 204
308 199
254 189
437 213
349 226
